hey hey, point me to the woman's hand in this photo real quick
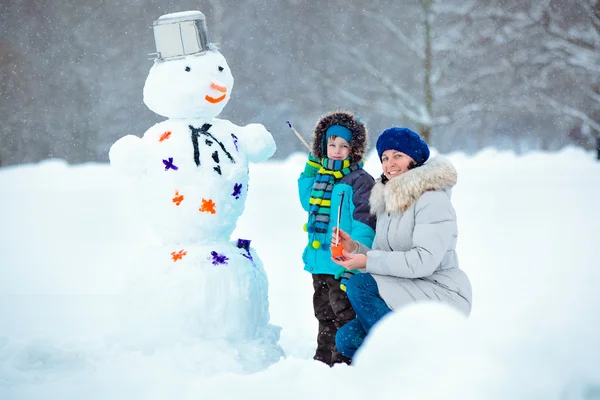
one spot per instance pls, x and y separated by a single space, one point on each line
351 261
344 239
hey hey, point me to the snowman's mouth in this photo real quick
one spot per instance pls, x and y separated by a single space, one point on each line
218 88
213 99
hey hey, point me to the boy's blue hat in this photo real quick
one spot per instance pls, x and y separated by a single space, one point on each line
340 131
404 140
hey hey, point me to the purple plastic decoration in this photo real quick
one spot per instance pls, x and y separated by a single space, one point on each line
169 164
245 244
218 259
237 190
235 140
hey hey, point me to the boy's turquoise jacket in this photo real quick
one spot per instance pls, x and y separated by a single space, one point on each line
355 219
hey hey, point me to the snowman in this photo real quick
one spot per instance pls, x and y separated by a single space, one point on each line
190 176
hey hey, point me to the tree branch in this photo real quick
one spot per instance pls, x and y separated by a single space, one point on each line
573 112
473 78
410 44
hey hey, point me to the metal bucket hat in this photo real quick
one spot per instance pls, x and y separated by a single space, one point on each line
179 35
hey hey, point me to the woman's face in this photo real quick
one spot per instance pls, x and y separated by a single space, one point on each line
394 163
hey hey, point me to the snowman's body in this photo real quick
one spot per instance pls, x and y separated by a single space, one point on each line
192 179
195 178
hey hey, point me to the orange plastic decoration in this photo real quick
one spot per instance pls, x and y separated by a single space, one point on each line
336 251
208 206
178 255
221 89
213 100
164 136
178 198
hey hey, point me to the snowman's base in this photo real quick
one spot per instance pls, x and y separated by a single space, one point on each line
191 295
202 356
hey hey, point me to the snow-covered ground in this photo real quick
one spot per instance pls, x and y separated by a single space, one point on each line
529 239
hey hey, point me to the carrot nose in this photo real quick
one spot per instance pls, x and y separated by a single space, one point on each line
218 88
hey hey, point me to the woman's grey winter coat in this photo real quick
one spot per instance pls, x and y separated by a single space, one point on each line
414 251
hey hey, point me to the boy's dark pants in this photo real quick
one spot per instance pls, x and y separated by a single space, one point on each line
333 310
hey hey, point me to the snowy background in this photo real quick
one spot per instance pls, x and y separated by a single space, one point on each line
528 239
517 75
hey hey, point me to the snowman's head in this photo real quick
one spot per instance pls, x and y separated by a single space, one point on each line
195 86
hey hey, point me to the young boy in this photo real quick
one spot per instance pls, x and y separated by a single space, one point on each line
335 166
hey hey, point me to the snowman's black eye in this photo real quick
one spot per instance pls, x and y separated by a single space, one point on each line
221 69
187 69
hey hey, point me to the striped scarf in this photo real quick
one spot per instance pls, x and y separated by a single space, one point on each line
320 197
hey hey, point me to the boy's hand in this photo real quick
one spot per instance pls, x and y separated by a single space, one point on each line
344 239
312 166
340 273
344 274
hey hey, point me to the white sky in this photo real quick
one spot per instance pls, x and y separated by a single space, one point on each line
528 239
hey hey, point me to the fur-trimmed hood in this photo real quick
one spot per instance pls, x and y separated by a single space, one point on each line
358 142
401 192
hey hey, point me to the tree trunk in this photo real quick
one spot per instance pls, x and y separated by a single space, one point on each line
425 132
598 146
427 89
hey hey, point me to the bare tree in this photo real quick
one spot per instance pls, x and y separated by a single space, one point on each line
560 66
448 50
573 38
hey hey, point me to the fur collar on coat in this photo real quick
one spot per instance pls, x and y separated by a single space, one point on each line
402 191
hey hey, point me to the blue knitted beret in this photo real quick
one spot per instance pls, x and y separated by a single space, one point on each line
404 140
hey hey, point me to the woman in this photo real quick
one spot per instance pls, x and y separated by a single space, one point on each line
413 256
